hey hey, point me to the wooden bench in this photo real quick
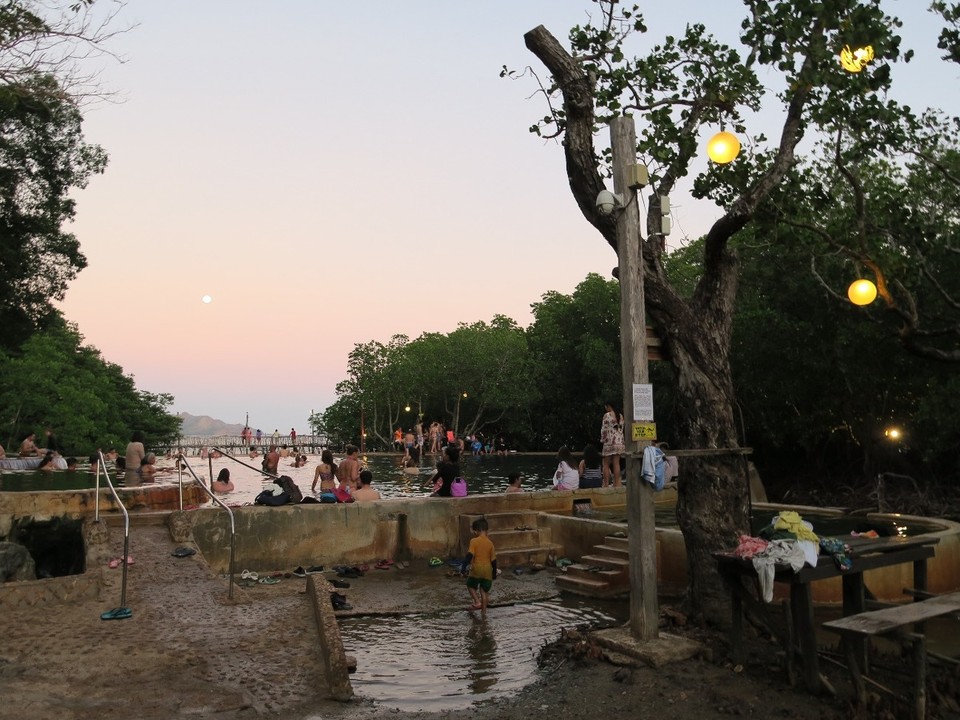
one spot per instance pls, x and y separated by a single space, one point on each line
893 621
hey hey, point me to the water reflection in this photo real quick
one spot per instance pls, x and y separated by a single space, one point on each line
450 660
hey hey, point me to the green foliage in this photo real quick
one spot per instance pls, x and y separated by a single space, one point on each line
472 379
574 345
949 39
43 157
56 382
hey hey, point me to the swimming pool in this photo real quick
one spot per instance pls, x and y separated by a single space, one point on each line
483 473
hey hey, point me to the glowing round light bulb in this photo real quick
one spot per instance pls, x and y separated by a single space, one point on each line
862 292
723 147
207 299
855 60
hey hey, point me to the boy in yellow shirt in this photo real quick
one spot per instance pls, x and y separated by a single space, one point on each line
482 559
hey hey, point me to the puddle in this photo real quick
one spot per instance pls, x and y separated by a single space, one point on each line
452 660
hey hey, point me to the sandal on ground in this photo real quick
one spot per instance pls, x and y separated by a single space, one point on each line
269 580
435 561
342 584
182 552
384 565
120 613
299 571
249 575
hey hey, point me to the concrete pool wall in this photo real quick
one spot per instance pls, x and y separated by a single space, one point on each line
281 538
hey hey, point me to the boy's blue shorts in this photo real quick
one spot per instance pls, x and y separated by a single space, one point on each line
484 585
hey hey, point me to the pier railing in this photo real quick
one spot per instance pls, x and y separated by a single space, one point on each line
193 444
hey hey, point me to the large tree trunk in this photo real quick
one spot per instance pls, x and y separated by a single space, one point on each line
713 495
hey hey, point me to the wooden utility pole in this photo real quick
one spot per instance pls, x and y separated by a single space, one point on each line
641 523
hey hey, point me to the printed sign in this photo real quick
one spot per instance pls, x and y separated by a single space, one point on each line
644 431
642 402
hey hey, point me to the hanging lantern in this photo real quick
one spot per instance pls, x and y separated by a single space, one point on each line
862 292
723 147
856 60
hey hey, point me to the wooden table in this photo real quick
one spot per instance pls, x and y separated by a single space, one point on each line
866 554
893 621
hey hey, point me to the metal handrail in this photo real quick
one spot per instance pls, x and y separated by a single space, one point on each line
102 467
182 463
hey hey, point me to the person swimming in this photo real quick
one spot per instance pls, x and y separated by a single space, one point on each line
223 483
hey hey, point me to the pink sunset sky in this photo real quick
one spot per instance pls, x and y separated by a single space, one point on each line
330 174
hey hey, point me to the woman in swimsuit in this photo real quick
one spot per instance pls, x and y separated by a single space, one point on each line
325 473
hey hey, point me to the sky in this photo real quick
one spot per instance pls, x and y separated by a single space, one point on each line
330 174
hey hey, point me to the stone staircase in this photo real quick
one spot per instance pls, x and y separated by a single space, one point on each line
604 573
516 535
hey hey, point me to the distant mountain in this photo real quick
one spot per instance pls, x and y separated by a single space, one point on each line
206 426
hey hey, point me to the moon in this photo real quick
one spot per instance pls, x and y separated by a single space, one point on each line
207 299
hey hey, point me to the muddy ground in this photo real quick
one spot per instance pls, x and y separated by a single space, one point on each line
189 651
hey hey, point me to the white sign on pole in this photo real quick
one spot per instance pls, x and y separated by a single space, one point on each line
642 402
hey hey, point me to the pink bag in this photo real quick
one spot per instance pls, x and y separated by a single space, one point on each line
458 488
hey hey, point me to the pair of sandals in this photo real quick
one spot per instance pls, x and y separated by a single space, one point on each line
252 577
118 561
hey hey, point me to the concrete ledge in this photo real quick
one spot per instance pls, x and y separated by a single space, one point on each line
655 653
331 645
69 588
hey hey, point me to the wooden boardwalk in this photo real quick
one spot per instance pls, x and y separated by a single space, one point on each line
234 444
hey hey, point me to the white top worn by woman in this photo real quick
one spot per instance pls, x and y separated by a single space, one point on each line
566 477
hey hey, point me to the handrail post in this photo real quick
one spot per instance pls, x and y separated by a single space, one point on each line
123 611
233 527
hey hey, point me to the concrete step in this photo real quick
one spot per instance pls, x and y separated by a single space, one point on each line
144 518
617 551
506 539
520 556
590 588
616 563
617 542
509 520
589 572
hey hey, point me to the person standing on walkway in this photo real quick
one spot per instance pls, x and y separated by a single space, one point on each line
276 436
611 438
293 437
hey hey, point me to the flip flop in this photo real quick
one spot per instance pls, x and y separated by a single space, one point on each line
299 571
384 565
114 563
269 580
120 613
248 575
314 569
435 561
182 552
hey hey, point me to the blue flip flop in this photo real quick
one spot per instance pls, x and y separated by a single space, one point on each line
120 613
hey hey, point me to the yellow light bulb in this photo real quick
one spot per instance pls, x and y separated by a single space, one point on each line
862 292
723 148
855 60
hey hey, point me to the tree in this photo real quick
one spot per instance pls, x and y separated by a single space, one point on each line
57 382
43 157
48 40
574 344
682 87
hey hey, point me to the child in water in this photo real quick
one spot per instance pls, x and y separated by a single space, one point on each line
482 561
